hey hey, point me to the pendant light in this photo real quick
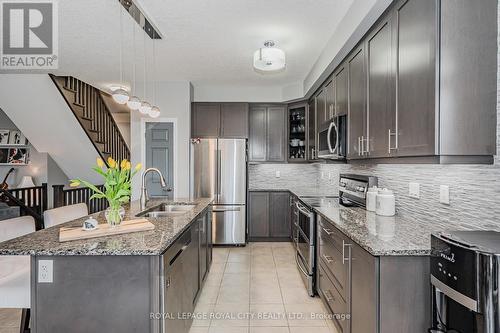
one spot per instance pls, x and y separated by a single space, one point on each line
120 95
134 103
155 111
145 106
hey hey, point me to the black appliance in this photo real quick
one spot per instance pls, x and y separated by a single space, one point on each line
465 278
332 139
353 188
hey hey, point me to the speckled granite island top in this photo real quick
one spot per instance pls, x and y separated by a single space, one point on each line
400 235
154 242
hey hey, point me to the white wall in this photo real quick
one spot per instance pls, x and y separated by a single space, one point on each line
227 93
38 109
174 100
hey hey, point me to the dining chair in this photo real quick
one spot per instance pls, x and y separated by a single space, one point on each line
64 214
15 287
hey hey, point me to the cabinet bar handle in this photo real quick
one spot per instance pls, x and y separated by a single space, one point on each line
390 135
344 259
328 231
359 146
329 297
328 259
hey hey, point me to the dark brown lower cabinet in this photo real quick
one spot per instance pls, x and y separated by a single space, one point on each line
269 216
371 294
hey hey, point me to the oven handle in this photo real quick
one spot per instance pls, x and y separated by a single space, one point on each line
297 260
302 209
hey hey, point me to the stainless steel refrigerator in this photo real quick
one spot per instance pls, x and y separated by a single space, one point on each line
220 172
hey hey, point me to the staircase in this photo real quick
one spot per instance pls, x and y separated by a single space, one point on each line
88 105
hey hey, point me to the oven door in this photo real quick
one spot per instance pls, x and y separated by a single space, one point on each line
328 141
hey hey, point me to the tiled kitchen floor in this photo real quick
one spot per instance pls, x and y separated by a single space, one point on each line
252 289
262 281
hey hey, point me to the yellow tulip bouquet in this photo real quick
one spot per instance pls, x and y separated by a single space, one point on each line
117 187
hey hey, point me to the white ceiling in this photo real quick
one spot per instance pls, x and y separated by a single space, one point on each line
205 41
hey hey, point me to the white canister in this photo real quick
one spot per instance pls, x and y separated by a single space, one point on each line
386 203
371 199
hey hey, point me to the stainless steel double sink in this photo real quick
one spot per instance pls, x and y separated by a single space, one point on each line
167 210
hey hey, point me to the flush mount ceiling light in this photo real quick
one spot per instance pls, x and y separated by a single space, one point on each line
269 58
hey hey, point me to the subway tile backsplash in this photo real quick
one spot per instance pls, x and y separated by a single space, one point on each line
474 189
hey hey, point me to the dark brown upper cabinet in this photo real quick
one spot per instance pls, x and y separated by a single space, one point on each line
311 130
340 77
219 120
267 133
205 120
415 31
381 91
321 109
421 84
356 69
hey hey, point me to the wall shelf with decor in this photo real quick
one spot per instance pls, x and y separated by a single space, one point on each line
14 148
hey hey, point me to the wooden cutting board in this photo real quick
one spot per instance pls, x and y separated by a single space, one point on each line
76 233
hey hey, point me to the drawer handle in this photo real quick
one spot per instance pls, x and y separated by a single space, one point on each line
329 297
328 259
328 231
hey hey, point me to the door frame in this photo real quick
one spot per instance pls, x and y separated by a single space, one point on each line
174 144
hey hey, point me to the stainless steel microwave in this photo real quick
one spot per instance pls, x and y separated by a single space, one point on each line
332 139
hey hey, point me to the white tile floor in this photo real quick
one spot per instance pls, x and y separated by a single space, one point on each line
252 289
260 290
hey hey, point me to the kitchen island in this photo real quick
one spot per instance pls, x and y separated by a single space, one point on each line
136 282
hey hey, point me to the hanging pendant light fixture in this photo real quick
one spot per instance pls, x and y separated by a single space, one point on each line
145 106
134 103
269 58
120 95
155 111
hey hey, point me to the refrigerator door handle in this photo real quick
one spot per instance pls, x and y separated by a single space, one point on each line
221 210
218 182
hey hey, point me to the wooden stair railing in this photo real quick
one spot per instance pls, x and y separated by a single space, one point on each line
31 201
89 107
71 196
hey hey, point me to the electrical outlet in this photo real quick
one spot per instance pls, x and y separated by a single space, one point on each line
322 175
444 194
278 174
329 175
414 190
45 271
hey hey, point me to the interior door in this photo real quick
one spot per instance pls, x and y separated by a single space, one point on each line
159 154
232 172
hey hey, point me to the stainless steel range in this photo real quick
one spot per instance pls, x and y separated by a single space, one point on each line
304 237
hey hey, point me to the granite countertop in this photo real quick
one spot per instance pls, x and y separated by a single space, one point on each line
154 242
399 235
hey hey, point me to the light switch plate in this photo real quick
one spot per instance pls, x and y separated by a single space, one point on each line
278 174
45 271
444 194
414 190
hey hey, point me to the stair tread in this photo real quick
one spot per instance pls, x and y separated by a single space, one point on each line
69 89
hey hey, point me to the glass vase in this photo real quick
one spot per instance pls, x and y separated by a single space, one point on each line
114 215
